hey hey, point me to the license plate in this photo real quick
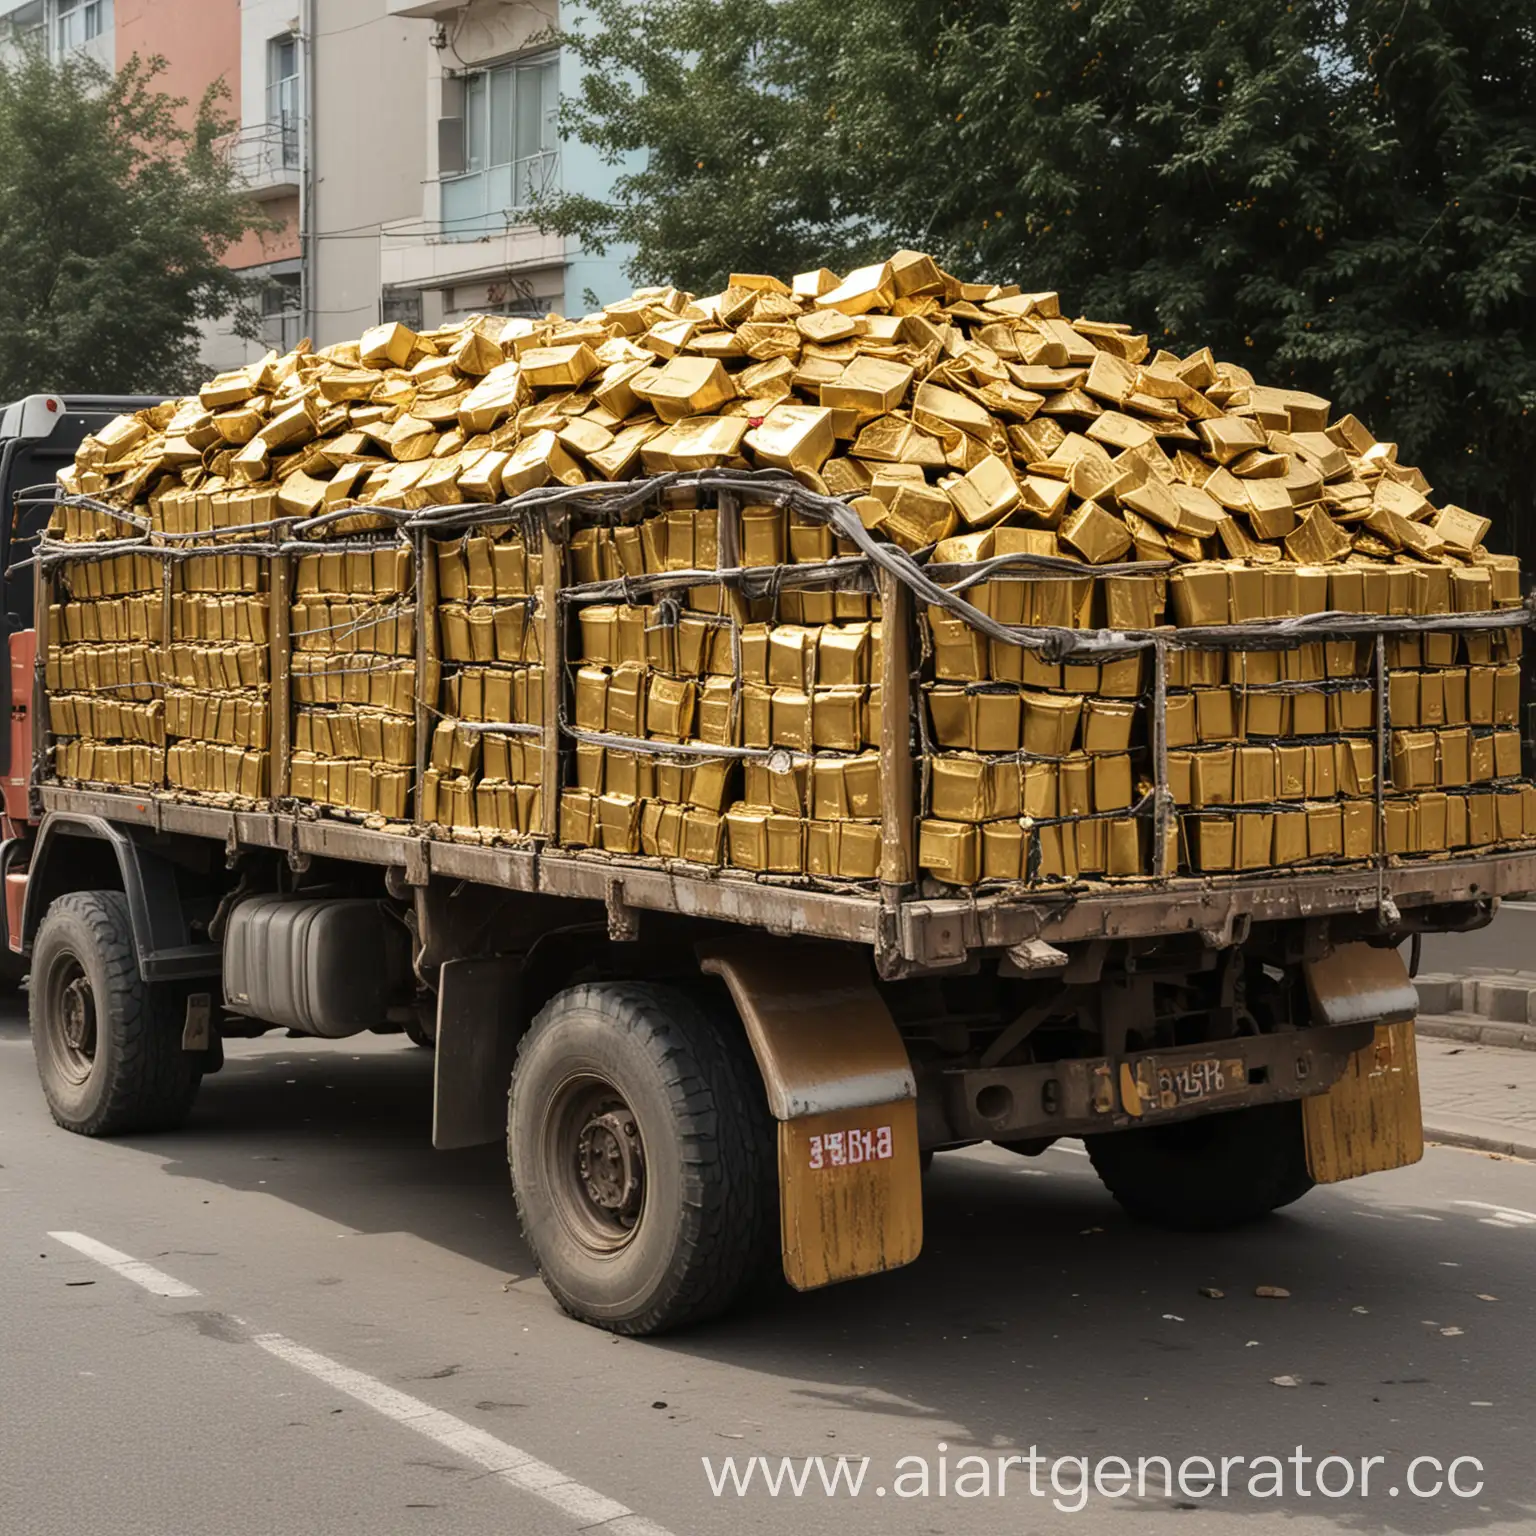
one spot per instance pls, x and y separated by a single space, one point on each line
1159 1085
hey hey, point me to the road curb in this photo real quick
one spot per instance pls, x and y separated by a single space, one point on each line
1473 1029
1480 1136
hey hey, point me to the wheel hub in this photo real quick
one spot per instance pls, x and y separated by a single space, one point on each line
611 1164
79 1017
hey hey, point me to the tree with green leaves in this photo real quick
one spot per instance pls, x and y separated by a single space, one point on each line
113 218
1338 194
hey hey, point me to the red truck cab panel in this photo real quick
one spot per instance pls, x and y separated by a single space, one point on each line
17 778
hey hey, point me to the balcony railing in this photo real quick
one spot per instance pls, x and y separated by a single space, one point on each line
266 157
503 197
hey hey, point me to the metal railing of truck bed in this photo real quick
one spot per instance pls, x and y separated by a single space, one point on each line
905 923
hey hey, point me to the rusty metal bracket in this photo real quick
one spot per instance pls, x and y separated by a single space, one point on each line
1235 928
623 919
418 861
298 859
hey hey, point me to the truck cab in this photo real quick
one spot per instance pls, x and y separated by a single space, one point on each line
39 435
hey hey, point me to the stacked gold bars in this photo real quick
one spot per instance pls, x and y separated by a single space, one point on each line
1035 767
352 666
693 714
485 783
789 681
103 671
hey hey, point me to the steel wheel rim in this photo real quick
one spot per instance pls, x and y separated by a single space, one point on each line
73 1031
594 1163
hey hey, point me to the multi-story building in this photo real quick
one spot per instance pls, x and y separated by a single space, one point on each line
494 77
60 27
397 147
202 43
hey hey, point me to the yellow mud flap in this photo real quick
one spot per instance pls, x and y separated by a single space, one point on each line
841 1087
1370 1120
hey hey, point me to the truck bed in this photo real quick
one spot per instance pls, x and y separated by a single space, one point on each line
915 933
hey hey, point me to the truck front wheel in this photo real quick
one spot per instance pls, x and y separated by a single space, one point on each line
108 1045
1206 1174
643 1156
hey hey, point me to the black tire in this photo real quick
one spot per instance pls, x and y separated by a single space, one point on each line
687 1161
417 1035
1210 1173
108 1046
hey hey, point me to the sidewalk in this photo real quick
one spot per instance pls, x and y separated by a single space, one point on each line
1480 1096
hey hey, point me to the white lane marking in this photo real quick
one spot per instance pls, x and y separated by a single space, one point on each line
1501 1215
517 1468
155 1281
1075 1148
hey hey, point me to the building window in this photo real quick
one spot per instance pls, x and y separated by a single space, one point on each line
280 311
401 305
283 99
511 147
76 23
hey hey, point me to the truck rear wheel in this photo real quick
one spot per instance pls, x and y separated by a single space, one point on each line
643 1157
108 1045
1207 1174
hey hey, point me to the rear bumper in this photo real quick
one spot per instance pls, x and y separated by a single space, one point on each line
1090 1094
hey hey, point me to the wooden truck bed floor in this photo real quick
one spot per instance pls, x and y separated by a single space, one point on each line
915 932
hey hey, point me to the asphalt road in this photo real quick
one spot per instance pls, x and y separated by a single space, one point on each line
368 1350
1508 943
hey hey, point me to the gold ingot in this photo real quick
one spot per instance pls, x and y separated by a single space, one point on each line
668 337
917 516
697 442
536 461
827 326
984 494
864 289
1096 535
621 456
870 384
950 851
688 386
475 353
567 367
793 437
1460 529
238 426
498 395
938 409
968 548
249 466
1229 437
896 440
439 483
292 429
812 285
225 389
411 438
390 343
338 385
480 475
914 273
769 380
300 496
614 391
584 437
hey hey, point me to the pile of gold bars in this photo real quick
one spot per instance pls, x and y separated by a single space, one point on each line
961 422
